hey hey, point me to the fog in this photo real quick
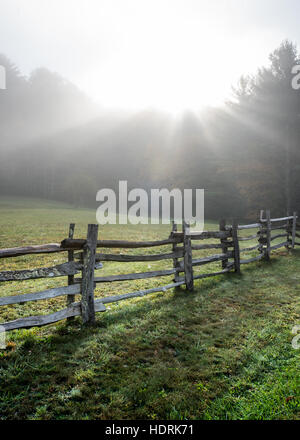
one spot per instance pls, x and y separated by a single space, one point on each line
195 115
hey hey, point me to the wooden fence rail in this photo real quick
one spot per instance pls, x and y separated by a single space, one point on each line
183 245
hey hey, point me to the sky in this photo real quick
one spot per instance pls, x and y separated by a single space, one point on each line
170 55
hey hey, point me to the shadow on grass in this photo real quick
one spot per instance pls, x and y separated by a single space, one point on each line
143 357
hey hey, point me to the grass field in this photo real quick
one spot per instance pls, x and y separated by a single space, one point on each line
221 352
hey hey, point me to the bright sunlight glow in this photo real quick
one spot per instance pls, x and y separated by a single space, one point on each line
132 54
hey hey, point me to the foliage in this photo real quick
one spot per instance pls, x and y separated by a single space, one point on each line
245 154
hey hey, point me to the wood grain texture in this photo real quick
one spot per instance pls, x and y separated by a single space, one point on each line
275 220
60 270
137 258
37 321
87 282
249 237
249 249
134 276
280 245
236 251
79 243
138 293
45 294
205 235
212 259
294 227
188 257
224 242
71 298
28 250
175 252
268 235
245 227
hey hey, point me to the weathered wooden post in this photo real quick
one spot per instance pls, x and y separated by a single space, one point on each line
188 257
294 227
174 250
224 244
87 284
288 230
71 298
268 235
260 233
236 247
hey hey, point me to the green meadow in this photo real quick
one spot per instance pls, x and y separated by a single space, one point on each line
223 351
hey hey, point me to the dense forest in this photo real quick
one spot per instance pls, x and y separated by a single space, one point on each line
57 144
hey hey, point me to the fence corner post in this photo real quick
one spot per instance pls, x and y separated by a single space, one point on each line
260 233
174 249
294 227
71 298
188 257
88 269
222 228
236 247
268 235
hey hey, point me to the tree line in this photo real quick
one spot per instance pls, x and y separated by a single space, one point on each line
57 144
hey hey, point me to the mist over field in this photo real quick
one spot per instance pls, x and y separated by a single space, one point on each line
150 320
65 139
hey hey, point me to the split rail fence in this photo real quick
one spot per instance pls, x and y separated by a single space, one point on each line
183 244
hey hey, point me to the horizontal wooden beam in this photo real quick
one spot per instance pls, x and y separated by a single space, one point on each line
37 321
134 276
70 268
281 219
252 260
214 274
275 237
136 258
274 228
252 226
138 293
249 237
28 250
204 235
46 294
280 245
78 244
249 249
199 247
244 227
212 258
209 234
